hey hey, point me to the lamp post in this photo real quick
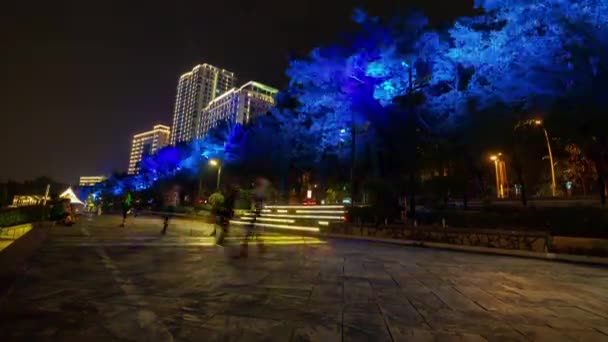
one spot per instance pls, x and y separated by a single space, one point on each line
494 158
538 122
215 162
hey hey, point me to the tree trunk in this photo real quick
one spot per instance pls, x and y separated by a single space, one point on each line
524 200
412 196
520 179
584 186
602 187
353 161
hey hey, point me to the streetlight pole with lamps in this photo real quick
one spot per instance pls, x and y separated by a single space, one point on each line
215 162
538 122
499 186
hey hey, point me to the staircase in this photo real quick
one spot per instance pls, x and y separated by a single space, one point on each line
303 218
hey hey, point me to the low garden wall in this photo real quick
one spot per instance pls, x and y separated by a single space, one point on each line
523 240
571 230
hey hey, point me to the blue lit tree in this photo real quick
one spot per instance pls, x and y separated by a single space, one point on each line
183 161
377 78
530 54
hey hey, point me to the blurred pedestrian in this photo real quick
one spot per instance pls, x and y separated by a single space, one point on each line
170 202
225 213
127 204
253 230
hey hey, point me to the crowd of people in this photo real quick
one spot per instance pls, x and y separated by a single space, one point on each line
252 231
223 214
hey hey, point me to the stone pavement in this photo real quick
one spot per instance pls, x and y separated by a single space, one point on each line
98 282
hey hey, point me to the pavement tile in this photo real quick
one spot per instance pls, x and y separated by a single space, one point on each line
603 329
456 300
342 290
422 335
543 333
318 332
482 298
588 336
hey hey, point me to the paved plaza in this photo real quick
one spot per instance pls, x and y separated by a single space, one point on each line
97 282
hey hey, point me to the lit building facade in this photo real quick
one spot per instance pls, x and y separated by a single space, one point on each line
238 105
146 144
195 89
28 200
91 180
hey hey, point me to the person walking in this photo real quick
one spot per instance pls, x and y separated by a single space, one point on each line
258 198
127 204
225 214
170 202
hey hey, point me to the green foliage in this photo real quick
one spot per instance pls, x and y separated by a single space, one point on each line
567 221
373 214
216 200
243 201
14 216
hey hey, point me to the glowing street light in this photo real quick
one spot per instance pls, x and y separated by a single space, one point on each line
215 162
494 158
538 122
500 175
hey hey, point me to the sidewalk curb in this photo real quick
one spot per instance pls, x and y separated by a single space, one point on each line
579 259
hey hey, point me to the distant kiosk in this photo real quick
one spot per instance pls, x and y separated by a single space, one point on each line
69 193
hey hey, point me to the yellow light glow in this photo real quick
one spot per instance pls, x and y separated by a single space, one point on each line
282 226
538 122
493 158
320 212
282 211
324 223
321 217
213 162
267 219
305 206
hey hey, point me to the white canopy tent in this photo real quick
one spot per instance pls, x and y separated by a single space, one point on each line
69 193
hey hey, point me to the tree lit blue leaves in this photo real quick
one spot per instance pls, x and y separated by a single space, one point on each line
376 69
359 16
531 52
516 53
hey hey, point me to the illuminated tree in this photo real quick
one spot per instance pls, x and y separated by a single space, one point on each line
533 54
375 81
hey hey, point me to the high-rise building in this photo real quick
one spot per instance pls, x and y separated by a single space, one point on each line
195 90
91 180
146 144
238 105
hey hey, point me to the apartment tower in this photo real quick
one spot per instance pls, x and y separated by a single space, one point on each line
195 89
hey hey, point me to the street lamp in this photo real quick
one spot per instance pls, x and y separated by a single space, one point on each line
538 122
494 158
215 162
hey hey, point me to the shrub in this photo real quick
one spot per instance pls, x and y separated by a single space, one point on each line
216 200
567 221
14 216
373 214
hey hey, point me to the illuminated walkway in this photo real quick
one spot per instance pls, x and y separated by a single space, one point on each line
98 282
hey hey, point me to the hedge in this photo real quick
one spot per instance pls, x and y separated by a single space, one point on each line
566 221
563 221
14 216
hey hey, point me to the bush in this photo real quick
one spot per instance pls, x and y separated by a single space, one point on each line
244 200
567 221
14 216
373 214
216 200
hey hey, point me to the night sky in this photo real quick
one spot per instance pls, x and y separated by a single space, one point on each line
79 78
